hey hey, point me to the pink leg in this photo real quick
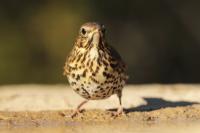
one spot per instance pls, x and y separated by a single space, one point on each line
77 110
120 108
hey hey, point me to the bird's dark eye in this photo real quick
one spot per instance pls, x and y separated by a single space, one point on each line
83 31
103 28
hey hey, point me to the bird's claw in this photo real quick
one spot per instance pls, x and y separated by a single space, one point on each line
118 113
75 113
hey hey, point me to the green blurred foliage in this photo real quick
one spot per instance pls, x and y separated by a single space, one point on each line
159 40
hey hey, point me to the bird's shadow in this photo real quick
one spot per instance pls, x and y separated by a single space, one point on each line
155 104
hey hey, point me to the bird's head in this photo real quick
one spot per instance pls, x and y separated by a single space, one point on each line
91 35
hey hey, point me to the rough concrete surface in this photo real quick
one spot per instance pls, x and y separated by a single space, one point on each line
147 106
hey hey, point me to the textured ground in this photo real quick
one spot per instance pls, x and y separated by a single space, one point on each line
45 106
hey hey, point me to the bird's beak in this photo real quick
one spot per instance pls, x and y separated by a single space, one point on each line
97 36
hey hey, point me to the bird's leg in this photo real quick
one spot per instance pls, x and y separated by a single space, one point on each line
77 110
120 110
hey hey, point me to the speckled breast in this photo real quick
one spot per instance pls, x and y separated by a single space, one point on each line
93 74
94 81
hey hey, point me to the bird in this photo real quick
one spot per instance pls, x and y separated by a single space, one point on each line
95 70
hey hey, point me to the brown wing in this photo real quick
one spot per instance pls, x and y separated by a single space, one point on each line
116 62
69 59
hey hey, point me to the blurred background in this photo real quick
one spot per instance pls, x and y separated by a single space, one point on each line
158 39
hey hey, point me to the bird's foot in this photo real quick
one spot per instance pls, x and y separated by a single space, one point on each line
119 112
77 110
74 113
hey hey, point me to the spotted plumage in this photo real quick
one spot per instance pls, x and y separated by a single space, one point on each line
94 69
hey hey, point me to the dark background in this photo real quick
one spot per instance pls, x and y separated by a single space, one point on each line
158 39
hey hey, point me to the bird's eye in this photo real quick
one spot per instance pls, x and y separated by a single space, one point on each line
83 31
103 28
